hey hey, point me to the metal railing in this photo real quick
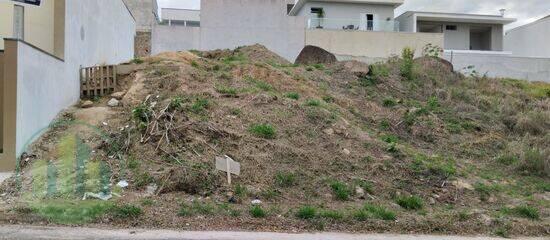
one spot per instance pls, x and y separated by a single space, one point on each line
353 24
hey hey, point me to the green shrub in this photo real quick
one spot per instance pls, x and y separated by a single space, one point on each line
313 103
141 113
137 61
257 212
194 64
319 66
240 190
341 190
534 161
306 212
127 211
389 102
293 95
433 103
526 212
407 64
379 212
263 130
175 104
200 105
507 159
390 138
285 179
410 203
228 91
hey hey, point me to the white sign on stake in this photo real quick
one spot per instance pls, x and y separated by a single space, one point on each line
229 166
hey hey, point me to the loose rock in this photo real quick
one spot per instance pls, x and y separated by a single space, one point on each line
87 104
315 55
118 95
113 103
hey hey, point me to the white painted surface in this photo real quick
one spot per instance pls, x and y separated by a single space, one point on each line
30 232
174 38
501 65
4 176
181 14
96 32
223 25
370 44
531 40
339 14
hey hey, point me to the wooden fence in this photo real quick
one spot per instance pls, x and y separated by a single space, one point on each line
98 81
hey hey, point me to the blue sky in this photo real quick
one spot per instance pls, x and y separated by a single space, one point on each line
524 10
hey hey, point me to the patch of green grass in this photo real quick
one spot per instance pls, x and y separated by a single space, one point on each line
257 212
390 138
379 212
127 211
526 212
434 165
313 103
141 113
259 84
143 179
196 208
533 162
292 95
200 105
306 212
270 194
236 58
485 190
328 99
137 61
341 190
194 64
147 202
507 159
71 212
319 66
331 214
240 191
228 91
410 202
389 102
263 130
285 180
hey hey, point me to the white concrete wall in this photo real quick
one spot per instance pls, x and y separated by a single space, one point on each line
42 92
374 45
407 23
501 65
531 40
174 38
96 32
142 10
181 14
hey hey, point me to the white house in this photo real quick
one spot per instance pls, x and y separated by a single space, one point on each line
531 40
366 15
462 31
177 16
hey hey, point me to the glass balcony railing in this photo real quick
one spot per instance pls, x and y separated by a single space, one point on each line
353 24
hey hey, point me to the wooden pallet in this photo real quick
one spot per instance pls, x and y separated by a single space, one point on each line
98 81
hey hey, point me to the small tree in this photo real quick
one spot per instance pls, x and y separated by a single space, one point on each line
320 16
407 63
431 50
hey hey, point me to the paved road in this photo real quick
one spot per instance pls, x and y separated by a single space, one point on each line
32 232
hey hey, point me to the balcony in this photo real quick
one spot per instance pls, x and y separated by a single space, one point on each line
353 24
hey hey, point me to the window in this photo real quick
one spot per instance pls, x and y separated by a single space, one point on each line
317 11
289 8
18 22
451 27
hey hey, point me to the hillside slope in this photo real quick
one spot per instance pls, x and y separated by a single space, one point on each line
402 146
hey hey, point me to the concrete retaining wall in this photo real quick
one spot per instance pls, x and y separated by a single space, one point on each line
501 65
1 100
375 45
174 38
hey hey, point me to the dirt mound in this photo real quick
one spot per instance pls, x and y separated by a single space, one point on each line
434 62
362 145
315 55
257 52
